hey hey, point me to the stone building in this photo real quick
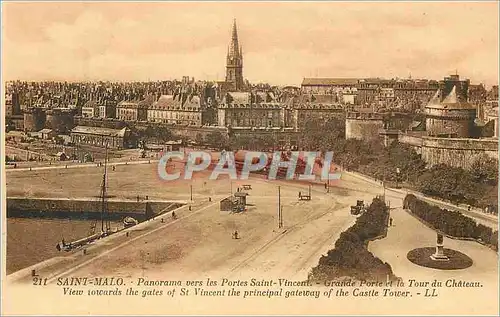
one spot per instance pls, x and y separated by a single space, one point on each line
492 95
410 94
34 119
90 109
263 110
363 125
14 117
476 94
368 91
134 110
180 109
107 109
12 104
450 115
104 109
453 82
386 95
492 116
414 94
60 120
300 109
15 122
114 138
250 110
344 88
8 105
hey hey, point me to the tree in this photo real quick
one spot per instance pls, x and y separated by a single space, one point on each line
217 140
485 169
452 183
323 135
162 133
199 139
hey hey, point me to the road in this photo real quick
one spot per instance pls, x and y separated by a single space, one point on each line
76 165
483 218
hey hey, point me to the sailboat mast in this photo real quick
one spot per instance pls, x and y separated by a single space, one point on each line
103 198
108 226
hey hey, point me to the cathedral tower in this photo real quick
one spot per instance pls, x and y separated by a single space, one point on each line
234 62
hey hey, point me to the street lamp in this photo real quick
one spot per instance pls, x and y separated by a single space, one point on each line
398 171
328 184
383 183
280 209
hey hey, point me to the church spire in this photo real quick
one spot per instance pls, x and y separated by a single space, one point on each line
234 49
234 63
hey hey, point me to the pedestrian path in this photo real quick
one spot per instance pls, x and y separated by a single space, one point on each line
407 233
84 165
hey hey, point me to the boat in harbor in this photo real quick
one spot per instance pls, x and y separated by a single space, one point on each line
105 223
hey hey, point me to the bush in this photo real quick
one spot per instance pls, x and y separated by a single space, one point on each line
452 223
350 256
485 170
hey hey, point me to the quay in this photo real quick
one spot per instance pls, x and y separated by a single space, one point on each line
87 208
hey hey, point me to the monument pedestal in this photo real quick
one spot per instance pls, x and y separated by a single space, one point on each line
439 255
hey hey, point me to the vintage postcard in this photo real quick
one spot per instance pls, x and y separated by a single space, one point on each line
250 158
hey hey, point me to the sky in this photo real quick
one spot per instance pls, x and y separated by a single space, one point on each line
282 42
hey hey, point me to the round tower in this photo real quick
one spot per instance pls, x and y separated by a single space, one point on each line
449 116
34 119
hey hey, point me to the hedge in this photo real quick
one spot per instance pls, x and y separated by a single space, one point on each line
452 223
350 257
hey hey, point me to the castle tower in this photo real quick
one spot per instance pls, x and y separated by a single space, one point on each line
234 62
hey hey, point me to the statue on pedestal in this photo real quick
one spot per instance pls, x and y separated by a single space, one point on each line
439 239
439 255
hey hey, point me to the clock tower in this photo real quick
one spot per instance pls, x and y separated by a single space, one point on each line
234 62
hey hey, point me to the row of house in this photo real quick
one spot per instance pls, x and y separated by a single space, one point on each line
409 93
236 109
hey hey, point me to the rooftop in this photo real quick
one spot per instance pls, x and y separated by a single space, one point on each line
449 102
329 81
177 101
100 131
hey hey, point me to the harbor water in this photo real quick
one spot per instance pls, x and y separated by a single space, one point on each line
33 240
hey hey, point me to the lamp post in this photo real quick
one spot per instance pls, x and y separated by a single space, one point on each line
383 184
328 184
280 215
398 173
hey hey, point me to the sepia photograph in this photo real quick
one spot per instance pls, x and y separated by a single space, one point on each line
250 158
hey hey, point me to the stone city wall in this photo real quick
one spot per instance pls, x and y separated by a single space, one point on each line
363 129
457 152
192 132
